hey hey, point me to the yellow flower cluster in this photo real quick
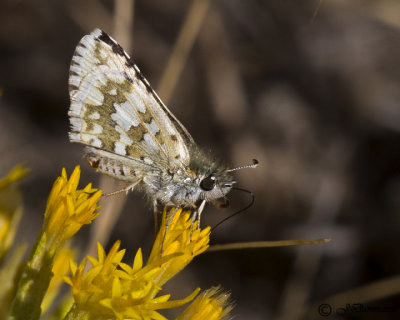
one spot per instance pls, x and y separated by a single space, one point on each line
113 289
68 208
110 288
178 236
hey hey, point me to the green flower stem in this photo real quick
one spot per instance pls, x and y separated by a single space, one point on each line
75 314
35 279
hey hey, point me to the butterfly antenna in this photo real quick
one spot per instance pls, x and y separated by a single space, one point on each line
241 210
253 165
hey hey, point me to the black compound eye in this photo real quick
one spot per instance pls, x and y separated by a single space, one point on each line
208 183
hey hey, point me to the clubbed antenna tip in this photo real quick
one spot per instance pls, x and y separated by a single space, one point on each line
253 165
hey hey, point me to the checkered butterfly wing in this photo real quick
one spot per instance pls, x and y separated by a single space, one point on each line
116 113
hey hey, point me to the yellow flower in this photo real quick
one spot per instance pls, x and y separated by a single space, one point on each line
113 289
68 209
210 305
181 237
110 289
10 207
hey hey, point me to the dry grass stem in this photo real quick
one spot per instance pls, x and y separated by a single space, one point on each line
264 244
223 77
187 35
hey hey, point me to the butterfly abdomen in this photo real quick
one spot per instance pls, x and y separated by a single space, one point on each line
114 167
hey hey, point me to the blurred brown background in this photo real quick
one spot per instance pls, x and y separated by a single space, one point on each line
309 88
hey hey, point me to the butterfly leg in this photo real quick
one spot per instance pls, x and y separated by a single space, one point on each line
196 216
126 189
192 221
200 210
156 216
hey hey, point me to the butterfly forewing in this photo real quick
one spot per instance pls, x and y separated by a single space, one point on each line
115 112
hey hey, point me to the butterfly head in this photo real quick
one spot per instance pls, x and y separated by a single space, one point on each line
216 184
215 181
